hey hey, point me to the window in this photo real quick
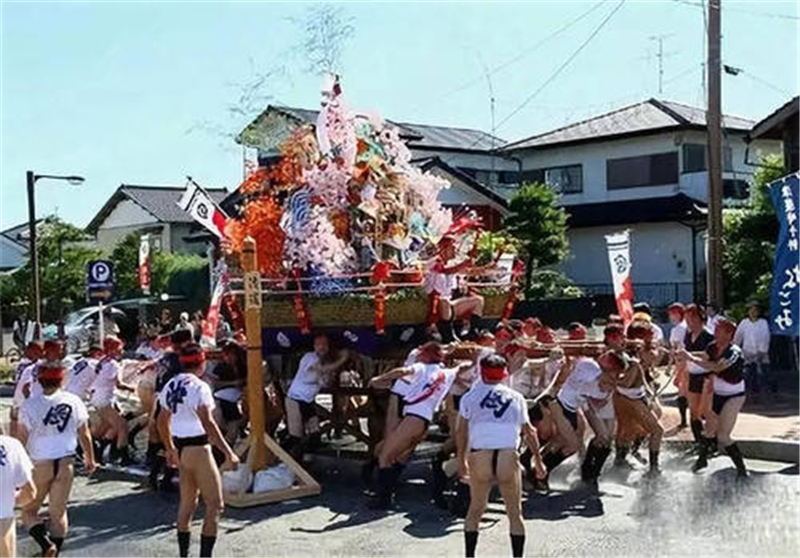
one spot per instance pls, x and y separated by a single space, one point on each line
533 175
508 177
565 180
694 158
645 170
735 189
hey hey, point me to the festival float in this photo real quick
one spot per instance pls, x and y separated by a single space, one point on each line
346 230
343 234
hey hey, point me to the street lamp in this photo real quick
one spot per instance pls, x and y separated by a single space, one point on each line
31 180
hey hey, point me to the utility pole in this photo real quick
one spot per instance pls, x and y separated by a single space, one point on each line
714 292
35 300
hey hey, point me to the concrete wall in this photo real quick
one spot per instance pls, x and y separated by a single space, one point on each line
593 157
179 231
129 217
107 238
128 213
661 254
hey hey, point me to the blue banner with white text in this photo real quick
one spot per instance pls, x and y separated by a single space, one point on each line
784 307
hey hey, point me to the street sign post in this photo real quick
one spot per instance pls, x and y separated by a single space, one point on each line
100 288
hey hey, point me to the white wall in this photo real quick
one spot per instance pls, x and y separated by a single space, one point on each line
459 193
107 238
660 252
593 156
127 213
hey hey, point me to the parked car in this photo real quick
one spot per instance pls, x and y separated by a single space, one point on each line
81 327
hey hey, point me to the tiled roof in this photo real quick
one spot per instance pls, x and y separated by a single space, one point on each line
678 207
160 201
771 125
453 138
647 116
417 135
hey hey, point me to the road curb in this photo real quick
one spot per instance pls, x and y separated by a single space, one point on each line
784 451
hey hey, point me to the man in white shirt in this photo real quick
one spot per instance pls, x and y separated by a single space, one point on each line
753 337
677 335
16 487
301 411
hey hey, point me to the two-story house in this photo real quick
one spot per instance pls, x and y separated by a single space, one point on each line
643 168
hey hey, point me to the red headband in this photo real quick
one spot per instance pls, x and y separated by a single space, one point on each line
493 374
50 372
577 334
195 359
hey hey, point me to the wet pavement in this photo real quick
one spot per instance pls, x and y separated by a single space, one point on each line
680 513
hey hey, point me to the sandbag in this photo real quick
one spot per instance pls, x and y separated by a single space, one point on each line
238 480
273 478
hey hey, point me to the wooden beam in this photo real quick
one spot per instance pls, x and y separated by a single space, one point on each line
255 370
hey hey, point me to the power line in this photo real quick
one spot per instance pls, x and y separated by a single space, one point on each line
765 83
516 58
741 10
564 65
691 69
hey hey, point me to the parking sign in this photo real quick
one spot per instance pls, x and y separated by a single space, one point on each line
99 280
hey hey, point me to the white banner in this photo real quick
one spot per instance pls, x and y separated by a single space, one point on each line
620 261
211 323
144 263
202 208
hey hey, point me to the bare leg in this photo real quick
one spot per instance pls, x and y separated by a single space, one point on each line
42 478
8 538
727 420
59 498
509 482
294 418
405 437
480 483
189 491
210 485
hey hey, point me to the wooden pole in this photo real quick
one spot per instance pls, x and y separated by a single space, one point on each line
714 291
255 370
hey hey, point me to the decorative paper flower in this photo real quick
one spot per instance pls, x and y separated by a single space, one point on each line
260 220
329 183
316 246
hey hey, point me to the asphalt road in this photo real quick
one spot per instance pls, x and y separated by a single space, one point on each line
677 514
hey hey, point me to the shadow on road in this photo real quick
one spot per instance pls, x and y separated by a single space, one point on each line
128 517
563 504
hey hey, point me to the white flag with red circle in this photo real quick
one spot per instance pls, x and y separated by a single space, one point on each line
202 208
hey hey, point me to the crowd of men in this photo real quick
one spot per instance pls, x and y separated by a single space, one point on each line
518 397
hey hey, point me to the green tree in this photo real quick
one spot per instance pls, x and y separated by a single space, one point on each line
749 236
176 274
63 255
539 226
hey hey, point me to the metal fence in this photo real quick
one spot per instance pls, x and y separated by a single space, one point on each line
658 295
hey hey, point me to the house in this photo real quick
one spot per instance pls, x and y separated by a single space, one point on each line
469 159
781 125
153 210
641 167
13 247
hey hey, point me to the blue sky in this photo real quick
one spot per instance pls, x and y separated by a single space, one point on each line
119 92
